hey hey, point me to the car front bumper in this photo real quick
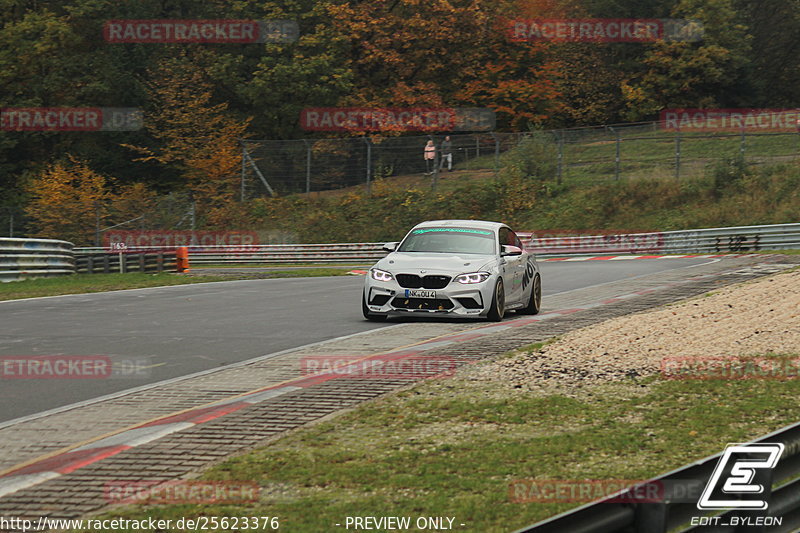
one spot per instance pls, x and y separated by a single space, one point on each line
456 299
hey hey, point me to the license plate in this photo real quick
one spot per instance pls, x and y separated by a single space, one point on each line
419 293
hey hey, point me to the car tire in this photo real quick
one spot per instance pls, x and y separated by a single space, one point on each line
535 301
498 308
365 310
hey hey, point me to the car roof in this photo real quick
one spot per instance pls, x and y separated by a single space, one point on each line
477 224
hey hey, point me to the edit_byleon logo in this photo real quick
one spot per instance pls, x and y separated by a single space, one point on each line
733 484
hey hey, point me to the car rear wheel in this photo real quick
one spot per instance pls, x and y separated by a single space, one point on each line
535 301
498 308
365 310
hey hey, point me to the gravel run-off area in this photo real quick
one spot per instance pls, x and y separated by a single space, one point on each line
732 324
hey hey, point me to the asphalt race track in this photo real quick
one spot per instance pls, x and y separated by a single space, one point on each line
167 332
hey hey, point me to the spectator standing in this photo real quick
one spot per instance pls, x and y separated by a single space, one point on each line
447 154
430 157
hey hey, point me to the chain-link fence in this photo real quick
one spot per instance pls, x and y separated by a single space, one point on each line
173 211
578 155
311 165
646 150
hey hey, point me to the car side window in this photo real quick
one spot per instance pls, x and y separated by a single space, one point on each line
514 240
502 237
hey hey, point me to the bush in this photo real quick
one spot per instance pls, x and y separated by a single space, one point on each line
536 156
726 173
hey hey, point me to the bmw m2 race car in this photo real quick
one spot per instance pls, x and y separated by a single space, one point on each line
459 268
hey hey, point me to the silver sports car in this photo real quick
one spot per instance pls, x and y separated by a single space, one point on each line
463 268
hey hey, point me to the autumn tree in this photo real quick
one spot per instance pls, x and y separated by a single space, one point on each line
410 53
197 137
130 202
70 201
67 200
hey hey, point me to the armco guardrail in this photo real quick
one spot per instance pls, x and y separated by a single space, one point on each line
714 240
678 493
109 262
273 253
288 253
34 258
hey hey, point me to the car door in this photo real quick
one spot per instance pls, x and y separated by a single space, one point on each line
526 269
514 267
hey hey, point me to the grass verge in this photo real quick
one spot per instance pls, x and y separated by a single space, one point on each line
86 283
453 447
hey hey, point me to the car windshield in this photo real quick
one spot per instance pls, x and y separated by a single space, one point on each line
450 241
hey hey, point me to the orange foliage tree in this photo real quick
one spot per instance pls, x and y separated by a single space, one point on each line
430 54
197 137
67 198
132 201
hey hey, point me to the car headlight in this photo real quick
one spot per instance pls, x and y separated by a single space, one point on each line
380 275
473 277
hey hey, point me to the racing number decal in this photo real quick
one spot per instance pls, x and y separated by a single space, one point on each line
528 275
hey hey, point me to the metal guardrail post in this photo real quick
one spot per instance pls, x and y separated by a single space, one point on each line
616 158
436 162
560 154
743 144
496 153
244 168
308 165
369 163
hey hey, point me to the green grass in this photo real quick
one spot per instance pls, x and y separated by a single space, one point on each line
452 447
86 283
783 252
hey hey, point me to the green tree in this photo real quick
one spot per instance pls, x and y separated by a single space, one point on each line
692 74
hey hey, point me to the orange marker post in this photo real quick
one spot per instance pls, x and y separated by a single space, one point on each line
182 259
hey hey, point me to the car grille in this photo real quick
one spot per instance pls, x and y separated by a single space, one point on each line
412 281
429 304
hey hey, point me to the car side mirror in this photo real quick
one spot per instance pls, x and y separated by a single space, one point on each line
390 246
510 250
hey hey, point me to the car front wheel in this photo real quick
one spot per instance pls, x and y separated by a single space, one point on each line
535 301
498 308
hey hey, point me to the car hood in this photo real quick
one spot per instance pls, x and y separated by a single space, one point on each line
411 263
